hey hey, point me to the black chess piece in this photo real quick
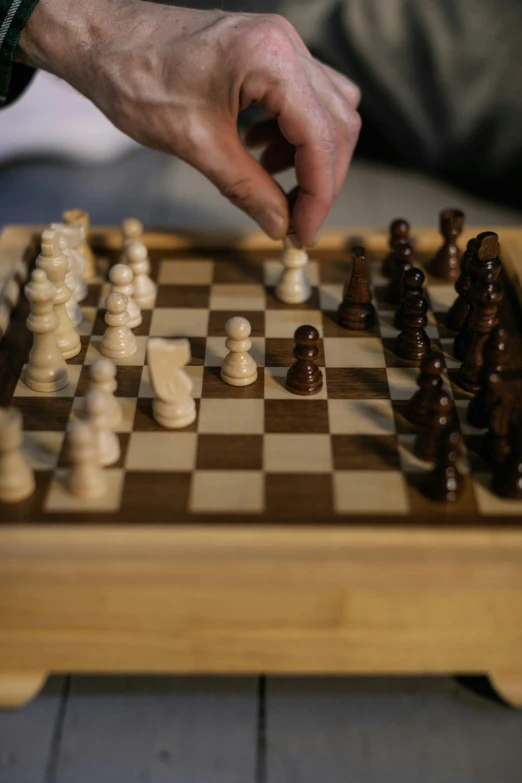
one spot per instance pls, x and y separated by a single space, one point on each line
507 391
399 232
440 415
413 343
402 260
429 381
356 311
459 310
496 356
304 376
412 283
446 262
507 481
445 482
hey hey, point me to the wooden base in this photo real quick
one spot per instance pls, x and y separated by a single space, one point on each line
17 688
508 685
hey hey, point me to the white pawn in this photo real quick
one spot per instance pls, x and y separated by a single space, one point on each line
293 286
102 374
132 231
173 406
238 368
107 443
79 217
54 264
86 479
16 477
118 342
121 277
75 237
46 369
73 308
144 287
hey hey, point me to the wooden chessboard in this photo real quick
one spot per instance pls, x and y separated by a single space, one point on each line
277 533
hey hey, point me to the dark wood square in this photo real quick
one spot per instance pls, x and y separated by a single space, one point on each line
142 330
127 378
365 452
242 268
80 358
154 497
230 452
402 424
273 303
335 270
306 415
198 349
279 352
215 388
144 420
218 319
44 414
332 329
357 383
445 513
391 358
184 296
94 292
299 497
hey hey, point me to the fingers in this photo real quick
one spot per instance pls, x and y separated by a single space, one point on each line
349 89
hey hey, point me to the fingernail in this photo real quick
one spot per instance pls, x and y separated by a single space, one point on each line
271 223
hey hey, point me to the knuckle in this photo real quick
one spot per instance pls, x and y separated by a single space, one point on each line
354 123
270 37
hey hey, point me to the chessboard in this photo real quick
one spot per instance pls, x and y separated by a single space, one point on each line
256 454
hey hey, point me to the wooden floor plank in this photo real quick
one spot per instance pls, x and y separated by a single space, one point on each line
26 736
154 730
384 730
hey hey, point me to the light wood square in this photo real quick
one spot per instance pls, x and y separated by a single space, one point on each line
164 451
73 371
402 382
217 491
216 351
229 416
179 322
42 449
136 360
330 296
370 492
87 325
195 374
191 272
275 386
60 499
297 453
356 352
489 503
361 417
227 296
273 270
127 404
283 323
441 297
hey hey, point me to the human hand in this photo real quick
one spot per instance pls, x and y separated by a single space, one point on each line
175 79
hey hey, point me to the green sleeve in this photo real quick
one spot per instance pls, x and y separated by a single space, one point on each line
14 77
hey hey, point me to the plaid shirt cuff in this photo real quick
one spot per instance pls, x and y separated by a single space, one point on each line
14 15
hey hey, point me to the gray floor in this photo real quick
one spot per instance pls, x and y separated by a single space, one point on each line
248 730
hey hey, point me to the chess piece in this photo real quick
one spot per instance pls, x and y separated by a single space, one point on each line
413 343
412 283
79 217
144 287
74 311
459 310
496 356
399 233
132 231
86 479
75 237
429 381
97 408
238 368
507 481
293 286
54 264
16 477
446 262
102 375
440 415
304 376
445 482
46 369
121 278
402 261
118 342
173 406
356 311
506 392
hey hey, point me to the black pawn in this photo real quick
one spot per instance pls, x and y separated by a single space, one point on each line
402 261
507 481
440 415
413 343
304 376
445 482
459 310
412 283
356 311
399 232
496 358
429 381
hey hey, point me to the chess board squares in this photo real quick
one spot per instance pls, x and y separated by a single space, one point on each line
230 296
216 351
214 387
296 416
299 498
361 417
447 349
186 296
190 272
444 332
297 453
136 360
87 325
242 268
94 292
142 330
231 416
60 500
155 497
422 505
402 424
491 504
362 352
360 383
218 319
42 448
127 404
370 492
229 452
163 451
279 352
334 268
144 420
31 507
179 322
365 452
273 303
457 391
330 297
402 382
127 378
441 296
283 323
227 491
145 389
22 390
272 269
275 386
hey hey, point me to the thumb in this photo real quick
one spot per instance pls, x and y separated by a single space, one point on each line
227 163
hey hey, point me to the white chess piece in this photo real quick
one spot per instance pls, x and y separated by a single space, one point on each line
132 231
79 217
238 368
118 342
16 477
102 375
144 287
73 308
121 278
46 369
75 236
293 286
86 479
107 443
174 406
54 264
